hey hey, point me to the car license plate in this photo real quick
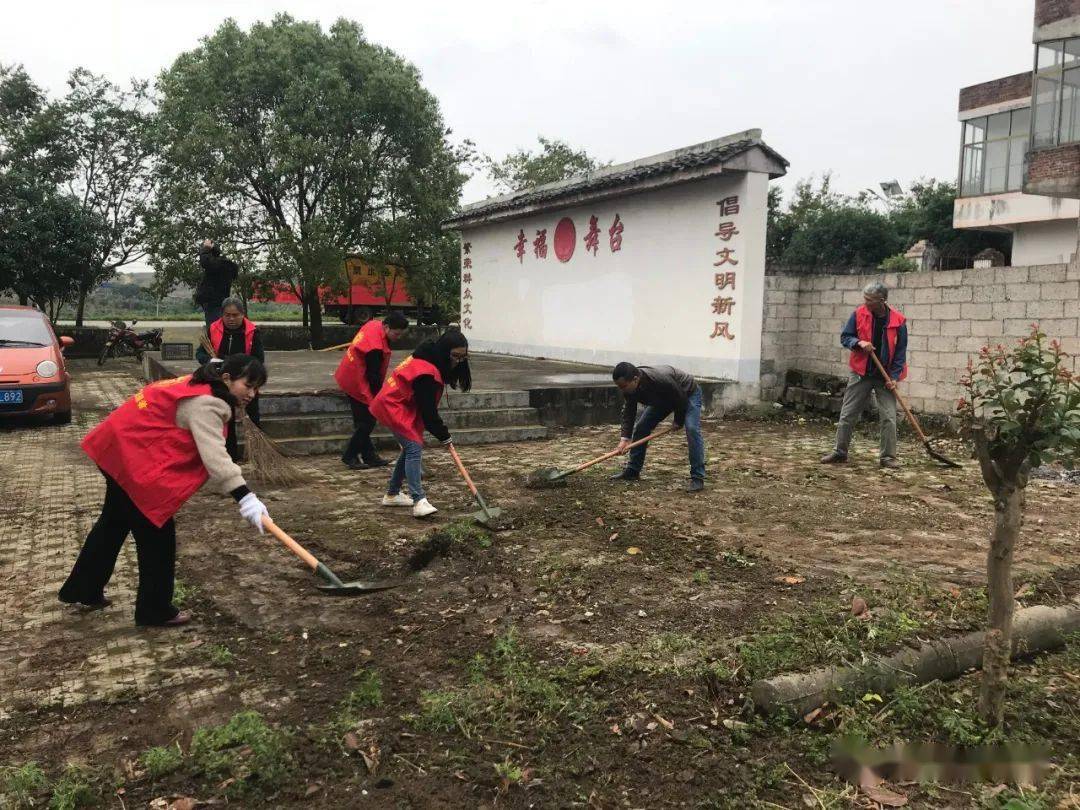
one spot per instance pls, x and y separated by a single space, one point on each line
11 397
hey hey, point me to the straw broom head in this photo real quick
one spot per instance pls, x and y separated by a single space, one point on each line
268 463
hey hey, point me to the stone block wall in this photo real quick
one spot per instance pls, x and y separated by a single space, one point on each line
951 315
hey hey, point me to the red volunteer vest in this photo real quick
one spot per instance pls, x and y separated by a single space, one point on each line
395 407
351 374
864 328
141 447
217 332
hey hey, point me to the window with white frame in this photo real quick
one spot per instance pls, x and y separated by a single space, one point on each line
992 160
1056 98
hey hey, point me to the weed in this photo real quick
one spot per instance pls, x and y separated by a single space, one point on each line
220 655
160 760
72 790
245 750
675 654
701 577
366 694
183 593
467 533
19 785
736 559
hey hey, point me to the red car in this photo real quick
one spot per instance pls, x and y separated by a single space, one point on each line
33 378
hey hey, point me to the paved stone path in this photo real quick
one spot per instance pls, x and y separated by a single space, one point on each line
50 495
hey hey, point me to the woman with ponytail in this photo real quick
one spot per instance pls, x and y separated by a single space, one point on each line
155 451
408 404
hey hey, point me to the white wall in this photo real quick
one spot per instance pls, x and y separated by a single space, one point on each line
1044 242
649 303
1012 208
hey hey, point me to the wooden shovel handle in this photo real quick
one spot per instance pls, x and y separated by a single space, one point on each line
292 545
462 470
612 453
900 399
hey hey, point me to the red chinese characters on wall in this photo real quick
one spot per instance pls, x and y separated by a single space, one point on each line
722 305
592 238
615 235
564 239
540 244
519 246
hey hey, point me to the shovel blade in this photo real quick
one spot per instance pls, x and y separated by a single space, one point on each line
486 518
936 456
358 587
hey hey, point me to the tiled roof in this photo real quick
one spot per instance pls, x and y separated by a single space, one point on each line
710 153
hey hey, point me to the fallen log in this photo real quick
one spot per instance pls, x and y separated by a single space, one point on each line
1035 629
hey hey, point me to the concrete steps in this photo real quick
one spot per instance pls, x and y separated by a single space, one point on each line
321 422
334 444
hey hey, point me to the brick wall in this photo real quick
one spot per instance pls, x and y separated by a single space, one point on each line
1006 89
1054 172
1050 11
951 315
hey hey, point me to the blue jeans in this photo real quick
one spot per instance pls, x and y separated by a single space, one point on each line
653 416
407 467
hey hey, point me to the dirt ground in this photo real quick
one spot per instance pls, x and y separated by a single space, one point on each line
596 652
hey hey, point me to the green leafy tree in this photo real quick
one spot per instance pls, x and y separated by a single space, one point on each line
1022 409
295 144
926 212
848 235
107 137
556 160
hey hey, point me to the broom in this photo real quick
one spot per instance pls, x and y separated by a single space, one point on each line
268 463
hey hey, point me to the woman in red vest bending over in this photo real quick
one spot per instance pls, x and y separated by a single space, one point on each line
231 334
408 405
360 375
155 451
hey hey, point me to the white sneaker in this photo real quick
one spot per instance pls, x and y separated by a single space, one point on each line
401 499
423 508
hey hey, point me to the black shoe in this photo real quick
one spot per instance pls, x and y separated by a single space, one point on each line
695 485
354 464
626 475
376 462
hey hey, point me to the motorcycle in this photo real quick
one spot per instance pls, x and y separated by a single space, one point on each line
124 341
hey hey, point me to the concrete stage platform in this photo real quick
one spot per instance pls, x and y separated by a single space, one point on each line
513 398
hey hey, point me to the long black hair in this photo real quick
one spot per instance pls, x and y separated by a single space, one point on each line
237 366
437 352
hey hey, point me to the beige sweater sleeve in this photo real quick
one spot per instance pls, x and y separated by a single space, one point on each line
205 416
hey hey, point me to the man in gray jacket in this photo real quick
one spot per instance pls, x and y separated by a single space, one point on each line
663 390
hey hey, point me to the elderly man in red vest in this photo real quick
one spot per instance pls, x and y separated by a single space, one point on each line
873 327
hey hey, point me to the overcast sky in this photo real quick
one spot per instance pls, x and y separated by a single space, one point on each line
866 88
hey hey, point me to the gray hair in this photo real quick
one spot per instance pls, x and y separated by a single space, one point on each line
877 290
234 301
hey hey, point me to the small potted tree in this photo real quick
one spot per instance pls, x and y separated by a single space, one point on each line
1022 410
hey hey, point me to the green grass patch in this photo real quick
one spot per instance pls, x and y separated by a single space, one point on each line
74 789
20 784
245 749
220 655
366 694
183 593
826 633
161 760
507 692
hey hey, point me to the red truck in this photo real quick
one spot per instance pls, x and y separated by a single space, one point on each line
371 293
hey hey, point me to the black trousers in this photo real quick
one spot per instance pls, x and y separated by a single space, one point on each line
231 441
360 445
154 547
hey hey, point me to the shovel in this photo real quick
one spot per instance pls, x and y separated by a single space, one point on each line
936 456
549 475
333 586
486 516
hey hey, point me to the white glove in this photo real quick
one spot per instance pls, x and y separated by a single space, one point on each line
252 510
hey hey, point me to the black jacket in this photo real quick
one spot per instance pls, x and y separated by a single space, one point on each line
232 342
663 387
218 275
